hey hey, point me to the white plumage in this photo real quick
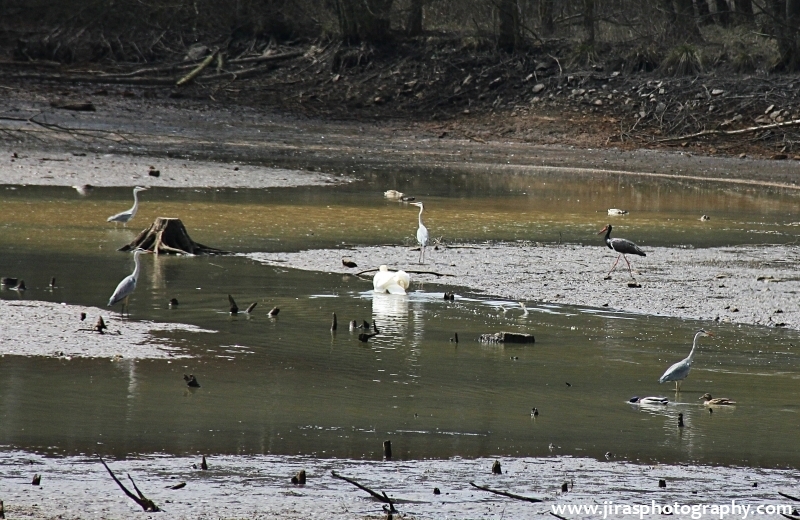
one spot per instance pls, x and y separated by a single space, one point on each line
391 282
126 216
422 232
393 194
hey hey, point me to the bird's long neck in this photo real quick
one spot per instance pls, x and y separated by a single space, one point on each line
420 215
694 346
608 238
135 201
135 273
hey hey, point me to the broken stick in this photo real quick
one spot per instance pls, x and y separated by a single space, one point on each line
144 502
382 498
506 494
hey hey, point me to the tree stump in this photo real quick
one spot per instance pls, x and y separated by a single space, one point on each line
168 235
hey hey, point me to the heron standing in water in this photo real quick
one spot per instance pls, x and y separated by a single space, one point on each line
621 246
126 286
422 232
126 216
680 370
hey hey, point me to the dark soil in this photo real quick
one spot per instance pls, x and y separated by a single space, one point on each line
462 88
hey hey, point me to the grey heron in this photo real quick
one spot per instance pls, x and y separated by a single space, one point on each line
680 370
621 246
422 232
126 216
716 401
126 286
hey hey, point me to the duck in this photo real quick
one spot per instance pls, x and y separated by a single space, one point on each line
386 281
649 400
716 401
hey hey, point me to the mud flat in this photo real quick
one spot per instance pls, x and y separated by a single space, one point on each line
39 328
756 285
58 168
258 487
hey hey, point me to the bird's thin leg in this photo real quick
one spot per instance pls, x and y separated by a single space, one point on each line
614 266
421 254
629 265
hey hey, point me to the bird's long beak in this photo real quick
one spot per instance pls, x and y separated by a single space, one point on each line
710 334
602 230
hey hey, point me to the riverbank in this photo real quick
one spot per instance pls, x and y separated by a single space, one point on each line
259 486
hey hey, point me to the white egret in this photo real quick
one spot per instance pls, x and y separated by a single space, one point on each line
422 232
392 282
680 370
621 246
126 286
126 216
716 401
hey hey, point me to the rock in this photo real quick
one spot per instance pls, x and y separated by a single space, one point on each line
717 92
538 88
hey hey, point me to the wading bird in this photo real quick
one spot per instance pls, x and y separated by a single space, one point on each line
422 232
680 370
392 282
621 246
126 286
126 216
716 401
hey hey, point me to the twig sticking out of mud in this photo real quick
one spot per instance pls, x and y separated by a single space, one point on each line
790 497
145 503
382 497
505 493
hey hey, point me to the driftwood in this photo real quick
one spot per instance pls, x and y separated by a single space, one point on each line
790 497
749 129
505 494
197 70
382 497
507 337
145 503
168 235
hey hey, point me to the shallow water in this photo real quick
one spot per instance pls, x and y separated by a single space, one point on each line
290 386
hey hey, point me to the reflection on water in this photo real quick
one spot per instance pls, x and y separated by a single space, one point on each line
289 385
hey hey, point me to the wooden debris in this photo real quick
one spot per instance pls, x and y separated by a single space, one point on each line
2 510
334 324
382 497
37 480
191 381
506 337
299 478
790 497
168 235
496 469
387 450
204 464
100 325
197 70
180 485
506 494
145 503
78 107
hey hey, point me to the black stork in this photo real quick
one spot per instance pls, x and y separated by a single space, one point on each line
621 246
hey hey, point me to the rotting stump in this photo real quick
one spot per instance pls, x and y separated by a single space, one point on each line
168 236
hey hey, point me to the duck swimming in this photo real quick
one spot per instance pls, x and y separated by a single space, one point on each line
649 400
716 401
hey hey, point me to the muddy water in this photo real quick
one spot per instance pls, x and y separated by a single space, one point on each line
290 386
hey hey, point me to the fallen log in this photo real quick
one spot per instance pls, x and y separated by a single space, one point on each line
197 70
506 494
740 131
168 235
507 337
